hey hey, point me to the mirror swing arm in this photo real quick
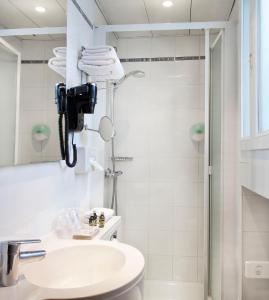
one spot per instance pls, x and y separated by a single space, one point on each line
90 129
105 130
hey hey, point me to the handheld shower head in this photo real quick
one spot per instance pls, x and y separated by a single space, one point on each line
135 73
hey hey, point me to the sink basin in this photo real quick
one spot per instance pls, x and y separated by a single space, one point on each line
75 267
85 269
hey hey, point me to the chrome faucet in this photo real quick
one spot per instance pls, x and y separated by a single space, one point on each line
10 255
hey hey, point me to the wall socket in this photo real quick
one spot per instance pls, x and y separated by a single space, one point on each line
257 269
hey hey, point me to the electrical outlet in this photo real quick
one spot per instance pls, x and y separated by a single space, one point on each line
257 269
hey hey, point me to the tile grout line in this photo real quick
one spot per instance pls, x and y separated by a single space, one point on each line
36 61
123 60
167 58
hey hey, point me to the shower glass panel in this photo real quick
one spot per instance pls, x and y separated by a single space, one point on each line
215 162
8 97
160 193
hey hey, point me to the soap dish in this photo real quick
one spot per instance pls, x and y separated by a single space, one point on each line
86 234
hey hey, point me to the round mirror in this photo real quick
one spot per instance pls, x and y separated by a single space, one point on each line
106 129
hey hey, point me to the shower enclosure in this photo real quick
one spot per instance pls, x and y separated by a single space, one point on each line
168 196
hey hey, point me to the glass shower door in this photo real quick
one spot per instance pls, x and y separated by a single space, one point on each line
215 194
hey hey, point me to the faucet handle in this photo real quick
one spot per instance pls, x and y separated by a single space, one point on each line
13 246
19 242
10 255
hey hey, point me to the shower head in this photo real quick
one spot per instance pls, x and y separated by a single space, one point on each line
136 74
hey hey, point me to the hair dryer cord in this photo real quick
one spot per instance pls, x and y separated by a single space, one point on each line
61 137
67 157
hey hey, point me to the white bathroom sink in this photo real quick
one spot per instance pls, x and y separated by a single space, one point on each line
85 269
75 267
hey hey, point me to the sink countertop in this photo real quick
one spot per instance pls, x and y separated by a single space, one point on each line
131 272
51 241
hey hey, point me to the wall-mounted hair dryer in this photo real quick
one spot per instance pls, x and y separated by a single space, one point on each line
72 105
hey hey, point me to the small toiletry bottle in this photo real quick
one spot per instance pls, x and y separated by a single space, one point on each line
91 219
102 220
95 218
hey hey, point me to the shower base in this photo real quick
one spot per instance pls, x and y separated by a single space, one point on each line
170 290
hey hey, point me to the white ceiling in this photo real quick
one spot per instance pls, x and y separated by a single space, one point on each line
21 13
152 11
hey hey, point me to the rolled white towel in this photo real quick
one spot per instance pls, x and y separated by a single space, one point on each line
58 65
98 60
92 62
103 73
100 54
99 57
98 50
58 61
59 51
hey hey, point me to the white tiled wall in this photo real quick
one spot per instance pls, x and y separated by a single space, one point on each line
37 104
160 192
32 196
255 241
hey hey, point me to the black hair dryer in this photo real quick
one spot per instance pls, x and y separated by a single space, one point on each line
72 104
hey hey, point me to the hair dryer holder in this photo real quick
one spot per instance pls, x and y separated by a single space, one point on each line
72 105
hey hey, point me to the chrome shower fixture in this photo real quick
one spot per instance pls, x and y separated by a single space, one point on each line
122 158
135 73
114 174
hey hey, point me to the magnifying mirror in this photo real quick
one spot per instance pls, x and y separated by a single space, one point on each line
106 129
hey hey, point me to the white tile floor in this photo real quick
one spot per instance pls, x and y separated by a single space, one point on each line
169 290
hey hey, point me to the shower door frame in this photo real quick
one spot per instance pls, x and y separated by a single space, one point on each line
100 38
219 38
